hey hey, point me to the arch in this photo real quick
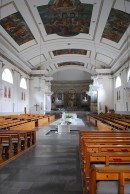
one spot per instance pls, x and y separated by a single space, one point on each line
23 83
7 76
128 76
118 82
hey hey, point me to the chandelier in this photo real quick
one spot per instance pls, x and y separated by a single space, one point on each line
94 87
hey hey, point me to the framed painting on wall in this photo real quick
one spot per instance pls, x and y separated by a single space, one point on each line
9 92
5 91
22 95
53 100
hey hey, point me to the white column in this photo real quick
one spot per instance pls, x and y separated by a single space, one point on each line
36 95
15 91
27 97
105 93
18 92
48 102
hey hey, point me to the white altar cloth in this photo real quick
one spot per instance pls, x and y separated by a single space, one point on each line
63 129
75 124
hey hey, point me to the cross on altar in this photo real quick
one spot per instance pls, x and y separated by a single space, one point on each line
36 106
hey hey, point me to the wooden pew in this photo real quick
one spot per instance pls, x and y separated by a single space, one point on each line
124 140
103 126
12 143
113 120
120 174
42 121
16 140
123 123
51 118
105 157
24 126
7 146
94 144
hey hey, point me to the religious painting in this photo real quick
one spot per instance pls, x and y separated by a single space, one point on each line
5 91
9 92
84 95
22 95
70 63
127 106
117 95
70 51
17 28
66 17
71 98
53 100
59 96
117 24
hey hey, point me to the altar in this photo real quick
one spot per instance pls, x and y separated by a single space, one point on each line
68 122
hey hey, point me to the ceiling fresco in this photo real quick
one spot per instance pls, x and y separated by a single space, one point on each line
42 36
116 25
17 28
70 63
66 17
70 51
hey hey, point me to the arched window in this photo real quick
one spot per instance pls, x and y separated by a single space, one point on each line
128 76
118 82
7 76
23 83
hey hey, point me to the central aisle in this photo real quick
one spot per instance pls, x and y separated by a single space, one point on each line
59 155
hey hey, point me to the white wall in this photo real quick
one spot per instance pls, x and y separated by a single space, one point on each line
122 104
71 74
38 89
13 104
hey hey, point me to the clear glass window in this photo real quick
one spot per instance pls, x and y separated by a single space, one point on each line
118 82
23 83
7 76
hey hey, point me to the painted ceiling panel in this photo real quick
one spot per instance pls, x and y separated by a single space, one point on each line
70 63
64 32
66 18
116 25
70 51
17 28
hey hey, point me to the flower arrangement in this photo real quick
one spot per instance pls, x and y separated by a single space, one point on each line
64 123
69 116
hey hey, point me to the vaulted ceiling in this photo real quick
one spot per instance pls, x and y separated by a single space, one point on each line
46 36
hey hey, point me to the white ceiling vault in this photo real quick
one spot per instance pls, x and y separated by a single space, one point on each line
46 36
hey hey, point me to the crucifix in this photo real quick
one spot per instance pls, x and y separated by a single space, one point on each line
36 106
